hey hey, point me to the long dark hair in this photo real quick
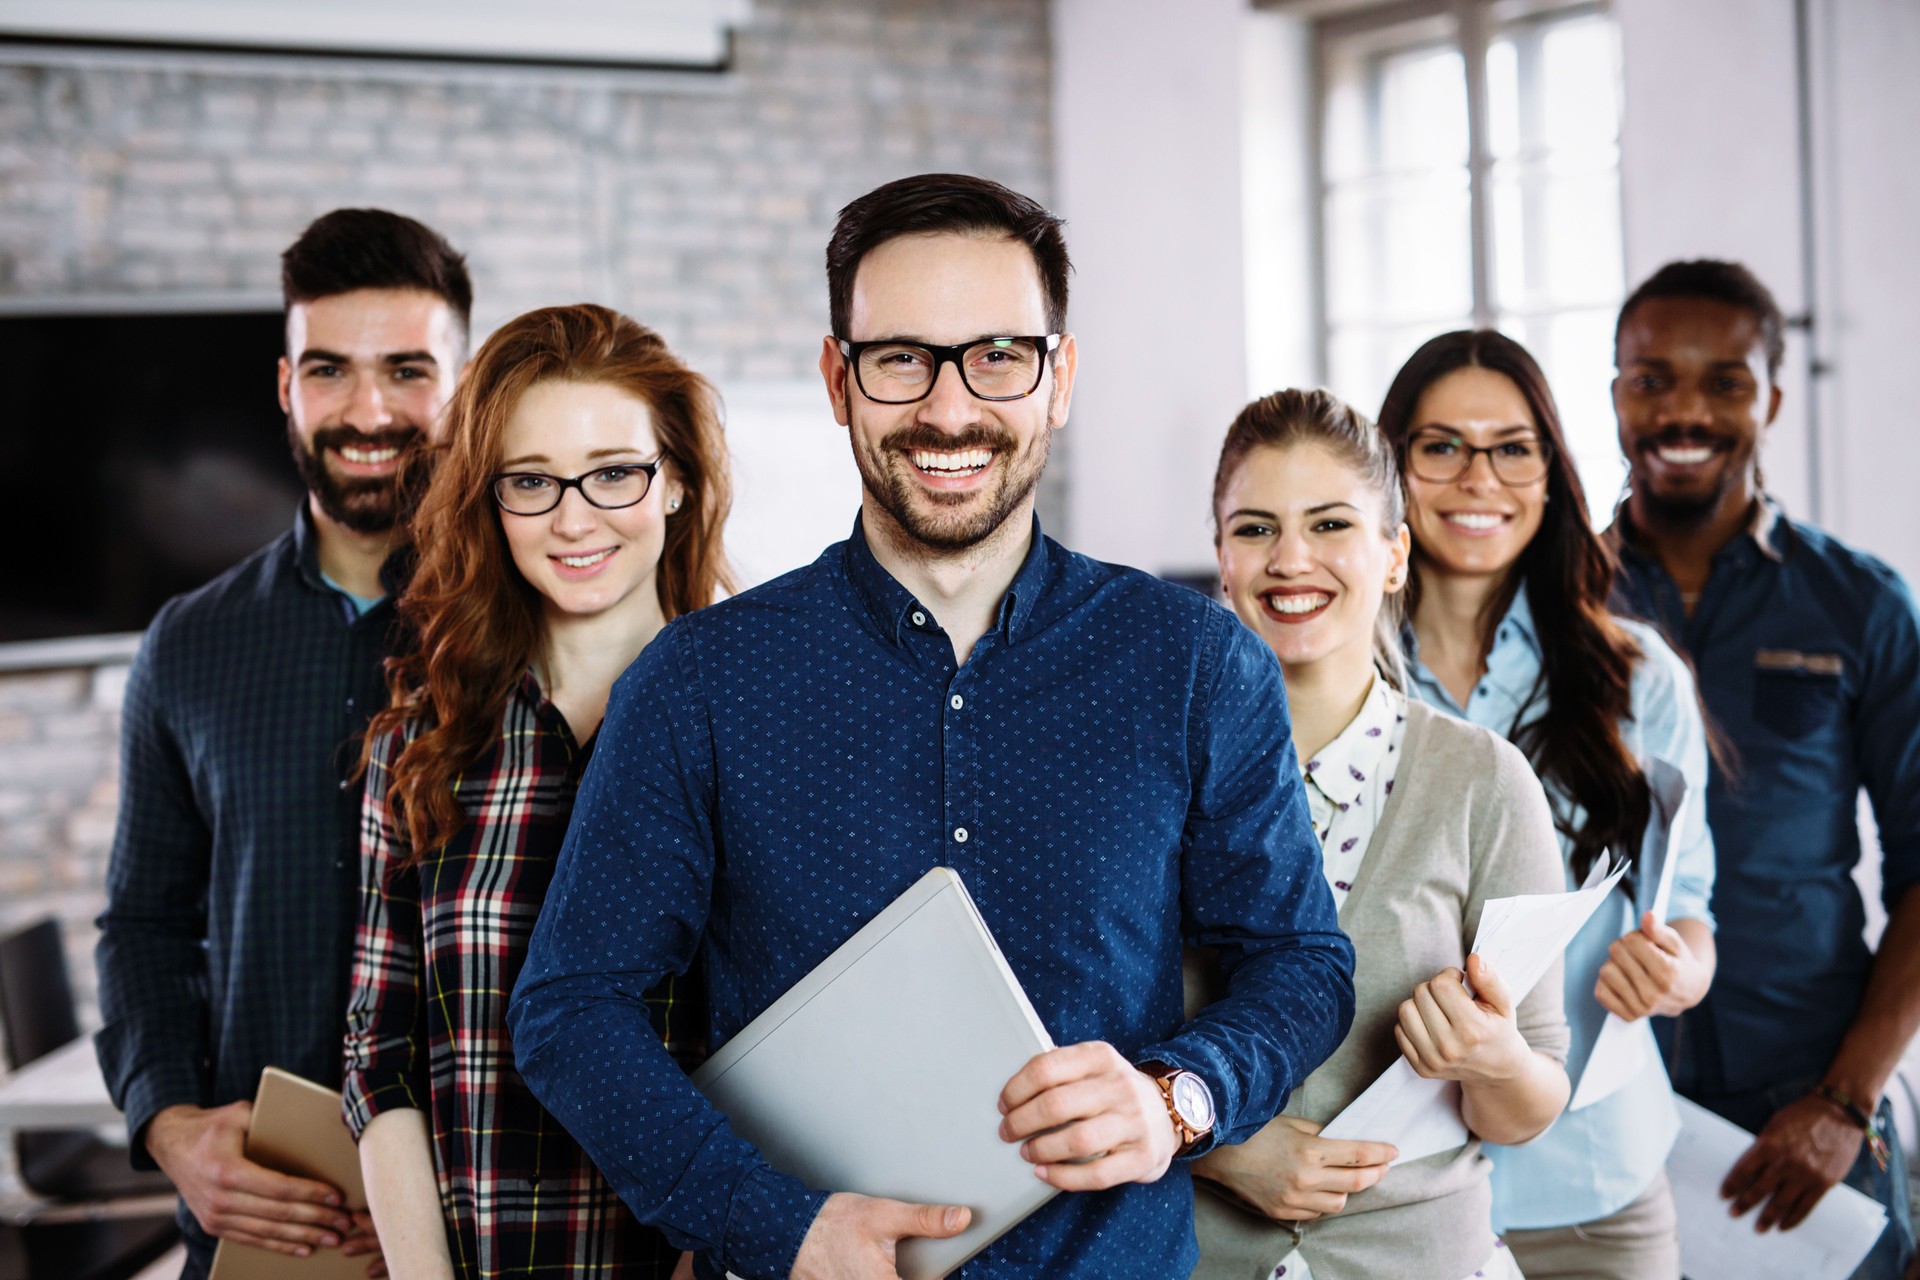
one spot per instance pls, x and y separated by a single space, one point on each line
475 620
1587 657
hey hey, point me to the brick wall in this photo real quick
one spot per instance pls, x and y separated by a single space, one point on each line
700 204
59 755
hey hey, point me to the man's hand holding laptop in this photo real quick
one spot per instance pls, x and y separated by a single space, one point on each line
1086 1118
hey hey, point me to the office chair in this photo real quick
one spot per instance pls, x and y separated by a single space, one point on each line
94 1227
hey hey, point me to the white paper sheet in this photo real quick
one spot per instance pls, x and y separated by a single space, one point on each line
1715 1246
1520 937
1623 1049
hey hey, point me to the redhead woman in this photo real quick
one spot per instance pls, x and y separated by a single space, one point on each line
1421 819
577 509
1510 630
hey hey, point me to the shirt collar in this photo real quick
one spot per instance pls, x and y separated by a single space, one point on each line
1513 660
1517 627
894 608
1340 769
1768 529
306 552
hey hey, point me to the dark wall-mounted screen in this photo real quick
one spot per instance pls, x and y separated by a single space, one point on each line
143 455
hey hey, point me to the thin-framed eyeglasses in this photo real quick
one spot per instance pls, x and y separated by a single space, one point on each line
1442 457
890 372
534 493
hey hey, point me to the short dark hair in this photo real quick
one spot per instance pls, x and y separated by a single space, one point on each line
954 203
1717 281
352 249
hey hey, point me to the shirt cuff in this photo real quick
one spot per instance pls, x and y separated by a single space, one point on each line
149 1092
367 1094
769 1217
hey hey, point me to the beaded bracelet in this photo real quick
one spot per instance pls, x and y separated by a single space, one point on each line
1876 1137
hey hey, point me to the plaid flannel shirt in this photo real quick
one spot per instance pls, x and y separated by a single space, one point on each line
439 946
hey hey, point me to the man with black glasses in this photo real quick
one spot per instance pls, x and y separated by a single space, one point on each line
1808 653
234 883
1104 758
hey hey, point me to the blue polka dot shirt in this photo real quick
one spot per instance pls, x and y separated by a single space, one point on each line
1111 774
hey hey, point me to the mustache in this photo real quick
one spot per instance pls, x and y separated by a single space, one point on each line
1671 437
401 437
978 436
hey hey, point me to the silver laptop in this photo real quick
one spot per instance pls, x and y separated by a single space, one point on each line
880 1072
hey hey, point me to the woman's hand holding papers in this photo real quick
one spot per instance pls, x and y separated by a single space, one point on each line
1662 969
1449 1031
1088 1119
1288 1172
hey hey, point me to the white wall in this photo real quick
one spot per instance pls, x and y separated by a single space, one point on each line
795 486
1869 139
1146 115
1711 168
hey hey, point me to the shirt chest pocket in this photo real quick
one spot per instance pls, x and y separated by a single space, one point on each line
1797 694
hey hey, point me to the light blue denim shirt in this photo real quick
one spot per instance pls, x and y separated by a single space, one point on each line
1596 1161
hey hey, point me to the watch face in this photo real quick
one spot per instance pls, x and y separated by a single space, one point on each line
1192 1100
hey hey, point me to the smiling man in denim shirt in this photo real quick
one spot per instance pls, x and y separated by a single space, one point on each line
1103 757
1808 654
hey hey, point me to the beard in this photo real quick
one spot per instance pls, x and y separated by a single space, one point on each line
1681 511
363 504
1687 509
958 521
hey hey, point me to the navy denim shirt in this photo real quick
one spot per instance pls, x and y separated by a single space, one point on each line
1808 655
1110 772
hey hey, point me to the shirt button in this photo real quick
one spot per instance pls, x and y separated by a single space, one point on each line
919 618
956 702
959 835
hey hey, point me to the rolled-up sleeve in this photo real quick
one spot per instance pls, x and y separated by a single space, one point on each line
386 1025
627 908
1666 706
151 956
1252 890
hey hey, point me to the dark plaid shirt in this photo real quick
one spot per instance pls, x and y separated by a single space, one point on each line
228 931
440 944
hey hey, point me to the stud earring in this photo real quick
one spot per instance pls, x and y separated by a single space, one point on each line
673 504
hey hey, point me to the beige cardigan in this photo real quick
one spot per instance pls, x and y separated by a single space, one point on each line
1468 821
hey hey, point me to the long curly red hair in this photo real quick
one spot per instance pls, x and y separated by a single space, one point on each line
474 621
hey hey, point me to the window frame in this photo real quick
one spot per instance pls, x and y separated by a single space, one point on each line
1470 26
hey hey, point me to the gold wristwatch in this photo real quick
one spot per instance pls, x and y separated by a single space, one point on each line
1189 1103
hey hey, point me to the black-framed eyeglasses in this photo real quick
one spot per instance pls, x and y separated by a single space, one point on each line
991 368
1442 457
534 493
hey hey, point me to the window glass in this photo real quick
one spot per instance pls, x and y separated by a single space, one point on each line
1398 220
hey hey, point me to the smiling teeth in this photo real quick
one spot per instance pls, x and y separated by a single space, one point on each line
952 463
1297 604
583 562
1476 520
1686 457
368 457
